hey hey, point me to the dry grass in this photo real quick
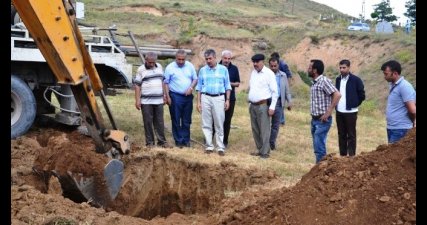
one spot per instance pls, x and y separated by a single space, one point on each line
291 160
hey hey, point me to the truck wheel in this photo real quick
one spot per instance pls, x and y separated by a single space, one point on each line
23 107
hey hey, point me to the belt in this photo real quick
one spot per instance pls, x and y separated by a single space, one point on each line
316 117
212 95
260 102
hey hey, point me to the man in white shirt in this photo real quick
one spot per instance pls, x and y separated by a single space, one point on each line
352 95
262 87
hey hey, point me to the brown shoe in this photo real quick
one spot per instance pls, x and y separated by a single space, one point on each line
255 154
221 153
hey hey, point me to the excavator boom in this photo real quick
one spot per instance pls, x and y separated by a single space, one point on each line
53 26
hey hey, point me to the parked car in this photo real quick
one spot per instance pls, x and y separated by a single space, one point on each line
359 26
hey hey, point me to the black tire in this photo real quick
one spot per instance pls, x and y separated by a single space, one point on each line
23 107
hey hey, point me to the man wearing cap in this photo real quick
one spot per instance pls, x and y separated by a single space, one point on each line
262 87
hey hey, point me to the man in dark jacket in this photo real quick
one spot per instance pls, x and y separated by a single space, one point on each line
353 94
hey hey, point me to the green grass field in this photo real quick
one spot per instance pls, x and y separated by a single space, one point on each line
293 156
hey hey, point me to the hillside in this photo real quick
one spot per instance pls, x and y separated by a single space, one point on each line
298 30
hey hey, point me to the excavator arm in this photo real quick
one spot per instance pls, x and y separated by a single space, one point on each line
53 26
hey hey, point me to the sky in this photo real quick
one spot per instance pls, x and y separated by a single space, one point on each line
354 8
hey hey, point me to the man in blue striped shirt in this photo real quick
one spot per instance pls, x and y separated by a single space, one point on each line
213 83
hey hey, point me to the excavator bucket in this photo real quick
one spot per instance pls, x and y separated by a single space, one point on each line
98 190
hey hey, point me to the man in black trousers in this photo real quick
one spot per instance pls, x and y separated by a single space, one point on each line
352 95
233 72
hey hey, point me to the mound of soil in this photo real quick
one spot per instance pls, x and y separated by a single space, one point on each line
378 187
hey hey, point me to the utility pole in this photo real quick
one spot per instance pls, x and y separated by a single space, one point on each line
293 3
363 11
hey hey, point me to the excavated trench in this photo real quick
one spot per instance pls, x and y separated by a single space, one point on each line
155 183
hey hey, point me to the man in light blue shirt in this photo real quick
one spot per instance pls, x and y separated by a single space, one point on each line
213 83
180 80
401 109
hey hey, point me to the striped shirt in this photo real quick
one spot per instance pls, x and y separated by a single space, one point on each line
150 81
213 80
321 95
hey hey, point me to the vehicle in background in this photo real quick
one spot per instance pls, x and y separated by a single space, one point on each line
359 27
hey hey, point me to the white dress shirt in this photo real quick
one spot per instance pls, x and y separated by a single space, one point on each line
263 85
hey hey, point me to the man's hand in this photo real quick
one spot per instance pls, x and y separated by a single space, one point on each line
199 107
270 112
138 105
168 100
325 116
189 91
226 105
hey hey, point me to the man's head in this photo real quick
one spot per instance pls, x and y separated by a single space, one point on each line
150 60
344 67
391 70
180 57
315 68
275 55
274 64
210 57
258 61
226 57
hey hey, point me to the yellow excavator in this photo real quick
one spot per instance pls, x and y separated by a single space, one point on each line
54 28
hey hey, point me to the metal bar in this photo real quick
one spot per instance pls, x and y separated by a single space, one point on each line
136 46
107 109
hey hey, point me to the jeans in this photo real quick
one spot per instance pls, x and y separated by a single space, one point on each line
394 135
180 111
319 132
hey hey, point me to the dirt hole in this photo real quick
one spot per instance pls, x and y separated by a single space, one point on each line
154 184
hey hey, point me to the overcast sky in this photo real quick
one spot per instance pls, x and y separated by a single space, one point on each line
354 7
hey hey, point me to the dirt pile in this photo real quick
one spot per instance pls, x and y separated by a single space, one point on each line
378 187
156 185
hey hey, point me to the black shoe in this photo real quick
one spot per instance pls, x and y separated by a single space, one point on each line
221 153
272 147
264 156
208 151
188 145
179 145
255 153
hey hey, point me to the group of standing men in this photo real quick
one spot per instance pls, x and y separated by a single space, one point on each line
215 85
346 96
268 91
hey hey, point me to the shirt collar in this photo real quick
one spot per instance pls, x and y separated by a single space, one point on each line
345 77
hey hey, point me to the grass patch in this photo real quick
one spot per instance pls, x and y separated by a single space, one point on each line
293 156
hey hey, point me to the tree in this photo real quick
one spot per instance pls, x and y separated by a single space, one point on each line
411 11
383 12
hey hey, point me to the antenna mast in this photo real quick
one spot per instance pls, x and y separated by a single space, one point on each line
363 11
